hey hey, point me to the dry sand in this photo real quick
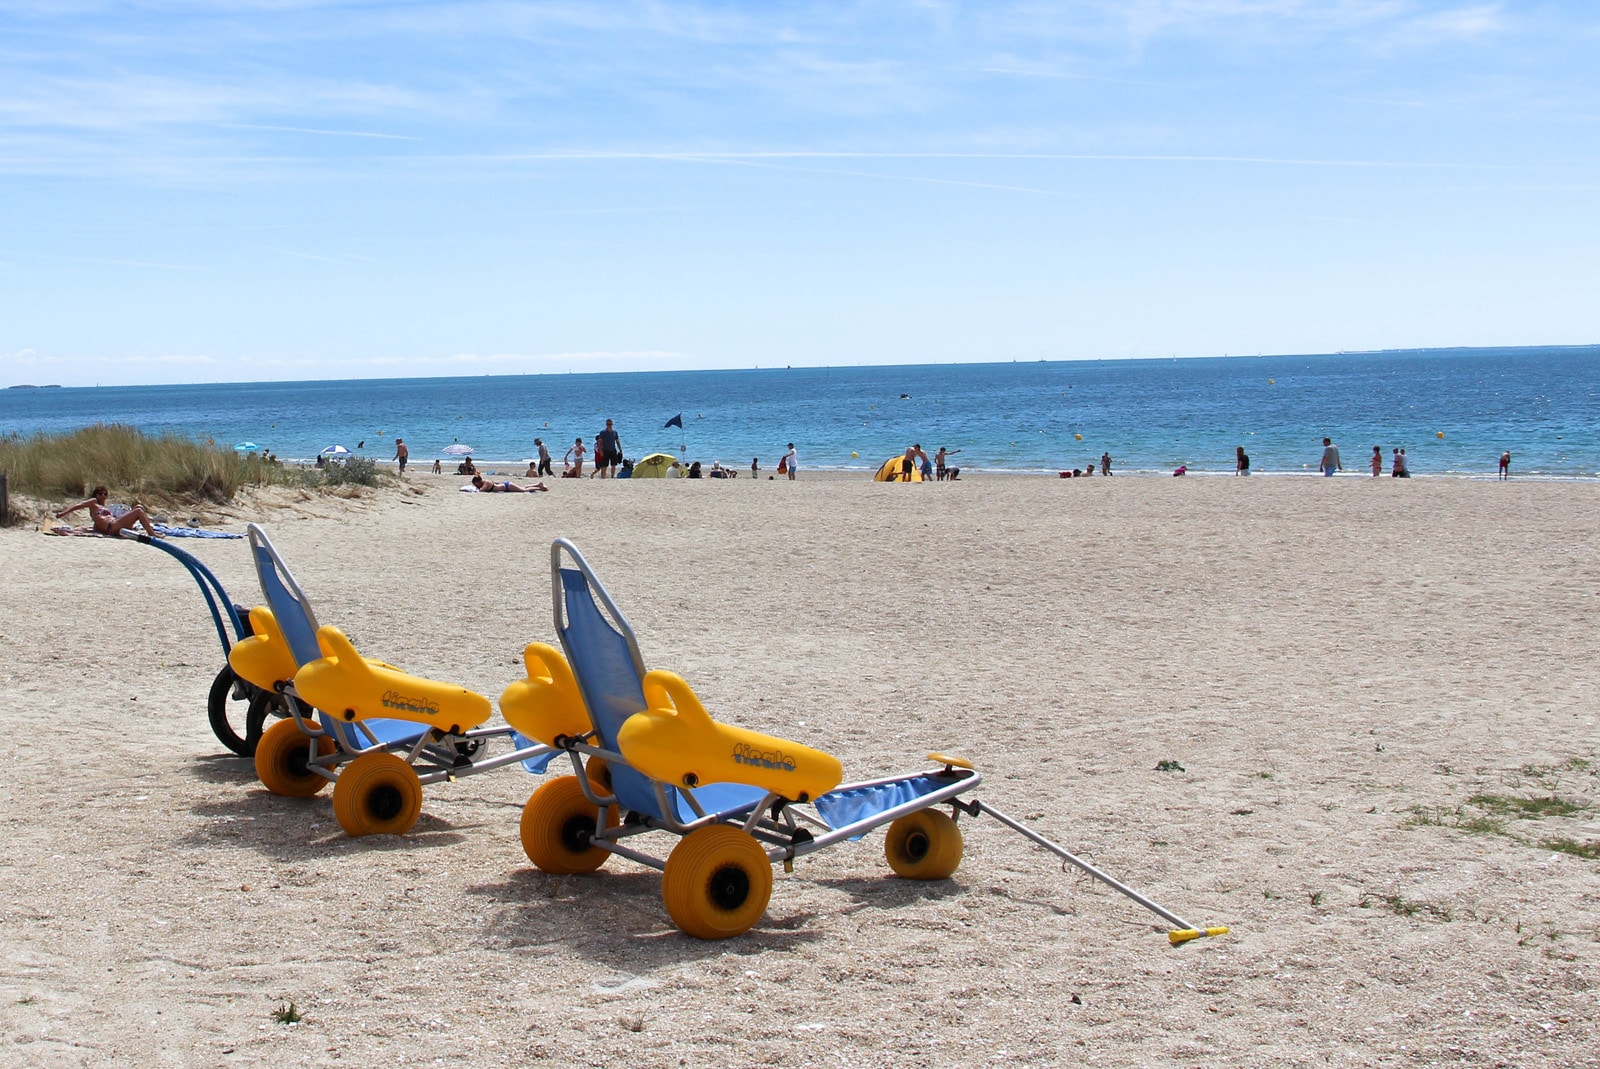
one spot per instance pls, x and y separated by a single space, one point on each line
1338 665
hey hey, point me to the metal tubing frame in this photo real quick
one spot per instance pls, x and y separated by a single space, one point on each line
210 586
963 783
309 726
975 807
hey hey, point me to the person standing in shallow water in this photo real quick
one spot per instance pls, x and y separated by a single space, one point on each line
1105 463
1377 461
1505 464
1330 458
1241 461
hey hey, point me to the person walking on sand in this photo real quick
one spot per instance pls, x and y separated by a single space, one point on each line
574 461
1399 471
104 522
1330 458
607 452
1505 464
401 453
1241 461
1377 461
790 461
544 458
1105 463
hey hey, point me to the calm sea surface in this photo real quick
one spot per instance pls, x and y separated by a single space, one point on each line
1150 415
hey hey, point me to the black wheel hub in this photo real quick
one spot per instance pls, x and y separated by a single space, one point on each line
917 846
576 832
384 802
730 886
299 761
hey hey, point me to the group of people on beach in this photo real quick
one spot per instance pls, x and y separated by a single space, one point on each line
935 468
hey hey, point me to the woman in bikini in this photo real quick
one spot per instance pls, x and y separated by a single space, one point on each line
104 522
575 466
505 488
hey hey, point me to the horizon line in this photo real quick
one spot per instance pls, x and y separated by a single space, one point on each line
1437 349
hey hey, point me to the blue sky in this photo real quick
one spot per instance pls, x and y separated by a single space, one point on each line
293 189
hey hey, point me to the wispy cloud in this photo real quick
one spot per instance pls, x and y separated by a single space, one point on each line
325 133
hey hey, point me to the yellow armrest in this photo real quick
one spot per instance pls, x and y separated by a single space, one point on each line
547 703
676 741
264 658
348 686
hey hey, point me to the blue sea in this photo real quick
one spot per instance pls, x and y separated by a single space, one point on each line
1454 412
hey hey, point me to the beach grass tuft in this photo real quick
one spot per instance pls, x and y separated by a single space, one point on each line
159 468
1401 906
287 1014
1589 850
1507 805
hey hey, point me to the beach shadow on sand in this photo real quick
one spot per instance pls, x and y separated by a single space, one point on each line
302 829
618 918
224 767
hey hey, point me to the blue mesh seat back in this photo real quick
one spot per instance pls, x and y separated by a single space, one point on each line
845 807
293 616
717 799
602 661
389 732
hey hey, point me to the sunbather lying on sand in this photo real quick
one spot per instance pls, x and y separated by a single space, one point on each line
104 521
486 487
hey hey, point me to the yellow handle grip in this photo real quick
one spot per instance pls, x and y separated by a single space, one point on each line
1183 935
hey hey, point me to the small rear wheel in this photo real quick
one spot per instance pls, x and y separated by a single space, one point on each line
717 883
557 824
377 794
925 845
283 761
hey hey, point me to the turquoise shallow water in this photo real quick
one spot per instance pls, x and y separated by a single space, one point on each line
1150 415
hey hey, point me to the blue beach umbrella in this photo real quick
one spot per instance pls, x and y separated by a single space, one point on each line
335 451
246 447
457 450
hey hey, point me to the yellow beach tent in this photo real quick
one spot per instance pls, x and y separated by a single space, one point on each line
892 471
654 466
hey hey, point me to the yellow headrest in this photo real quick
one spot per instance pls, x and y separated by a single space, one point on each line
547 703
263 658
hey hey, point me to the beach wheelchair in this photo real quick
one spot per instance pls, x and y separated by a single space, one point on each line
373 731
647 757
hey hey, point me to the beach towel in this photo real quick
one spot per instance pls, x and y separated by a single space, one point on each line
170 531
163 529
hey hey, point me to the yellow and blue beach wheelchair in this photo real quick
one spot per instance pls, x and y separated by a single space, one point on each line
376 733
737 800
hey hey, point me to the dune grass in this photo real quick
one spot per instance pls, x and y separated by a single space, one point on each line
163 469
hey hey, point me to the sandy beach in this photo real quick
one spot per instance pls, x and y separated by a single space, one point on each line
1361 679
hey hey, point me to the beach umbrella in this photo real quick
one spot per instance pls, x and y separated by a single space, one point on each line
654 466
335 451
246 447
457 450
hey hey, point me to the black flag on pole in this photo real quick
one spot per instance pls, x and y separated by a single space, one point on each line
675 421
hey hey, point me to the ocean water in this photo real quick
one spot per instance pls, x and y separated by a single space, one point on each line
1542 404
